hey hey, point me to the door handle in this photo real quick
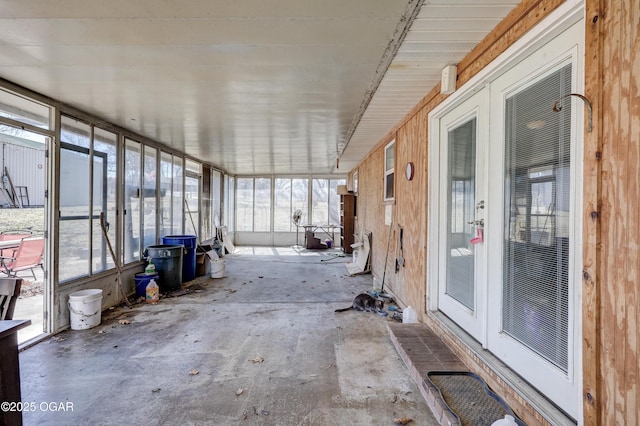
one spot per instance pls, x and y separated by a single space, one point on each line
478 223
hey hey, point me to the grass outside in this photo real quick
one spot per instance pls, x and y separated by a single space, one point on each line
27 219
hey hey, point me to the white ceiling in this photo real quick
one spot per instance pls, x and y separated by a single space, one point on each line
252 87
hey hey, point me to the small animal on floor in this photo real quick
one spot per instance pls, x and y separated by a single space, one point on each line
364 302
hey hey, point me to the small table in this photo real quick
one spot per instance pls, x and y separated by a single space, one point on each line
10 369
329 230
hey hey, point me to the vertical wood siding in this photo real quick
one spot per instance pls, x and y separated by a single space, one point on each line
410 208
617 77
411 214
611 196
591 223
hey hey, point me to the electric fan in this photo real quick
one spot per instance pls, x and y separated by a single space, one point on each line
297 217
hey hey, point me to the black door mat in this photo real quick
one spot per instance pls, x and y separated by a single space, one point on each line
469 398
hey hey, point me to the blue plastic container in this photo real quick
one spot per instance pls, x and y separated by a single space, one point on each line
189 258
141 280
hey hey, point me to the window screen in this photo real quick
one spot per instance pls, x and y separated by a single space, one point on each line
536 245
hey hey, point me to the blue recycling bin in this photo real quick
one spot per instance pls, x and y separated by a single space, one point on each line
189 258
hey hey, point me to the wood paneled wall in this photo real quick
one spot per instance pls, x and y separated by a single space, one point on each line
612 215
611 197
410 213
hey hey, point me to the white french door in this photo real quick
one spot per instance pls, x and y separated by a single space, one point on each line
463 139
532 316
507 175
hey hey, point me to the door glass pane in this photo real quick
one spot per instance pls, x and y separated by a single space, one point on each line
192 197
99 252
105 148
74 213
536 246
75 199
461 210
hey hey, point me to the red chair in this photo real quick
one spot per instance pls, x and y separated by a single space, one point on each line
28 255
12 236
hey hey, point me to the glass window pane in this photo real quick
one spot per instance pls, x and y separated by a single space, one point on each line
300 198
216 198
262 205
389 168
320 202
104 197
74 230
355 182
461 210
132 192
282 211
178 196
25 110
390 157
536 244
149 187
388 185
231 192
334 202
166 192
208 198
244 204
193 167
75 132
192 197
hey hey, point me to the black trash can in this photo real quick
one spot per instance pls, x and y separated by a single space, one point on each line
189 257
168 261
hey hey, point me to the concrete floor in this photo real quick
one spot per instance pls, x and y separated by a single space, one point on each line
267 331
30 306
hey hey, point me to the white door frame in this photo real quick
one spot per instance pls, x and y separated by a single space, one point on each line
564 17
472 320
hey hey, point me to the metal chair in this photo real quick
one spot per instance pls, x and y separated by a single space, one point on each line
14 235
9 292
28 255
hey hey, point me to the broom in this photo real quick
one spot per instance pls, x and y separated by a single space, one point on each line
115 259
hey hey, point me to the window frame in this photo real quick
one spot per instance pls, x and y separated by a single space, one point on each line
389 172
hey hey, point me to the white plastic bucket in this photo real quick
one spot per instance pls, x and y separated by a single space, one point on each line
217 268
85 308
